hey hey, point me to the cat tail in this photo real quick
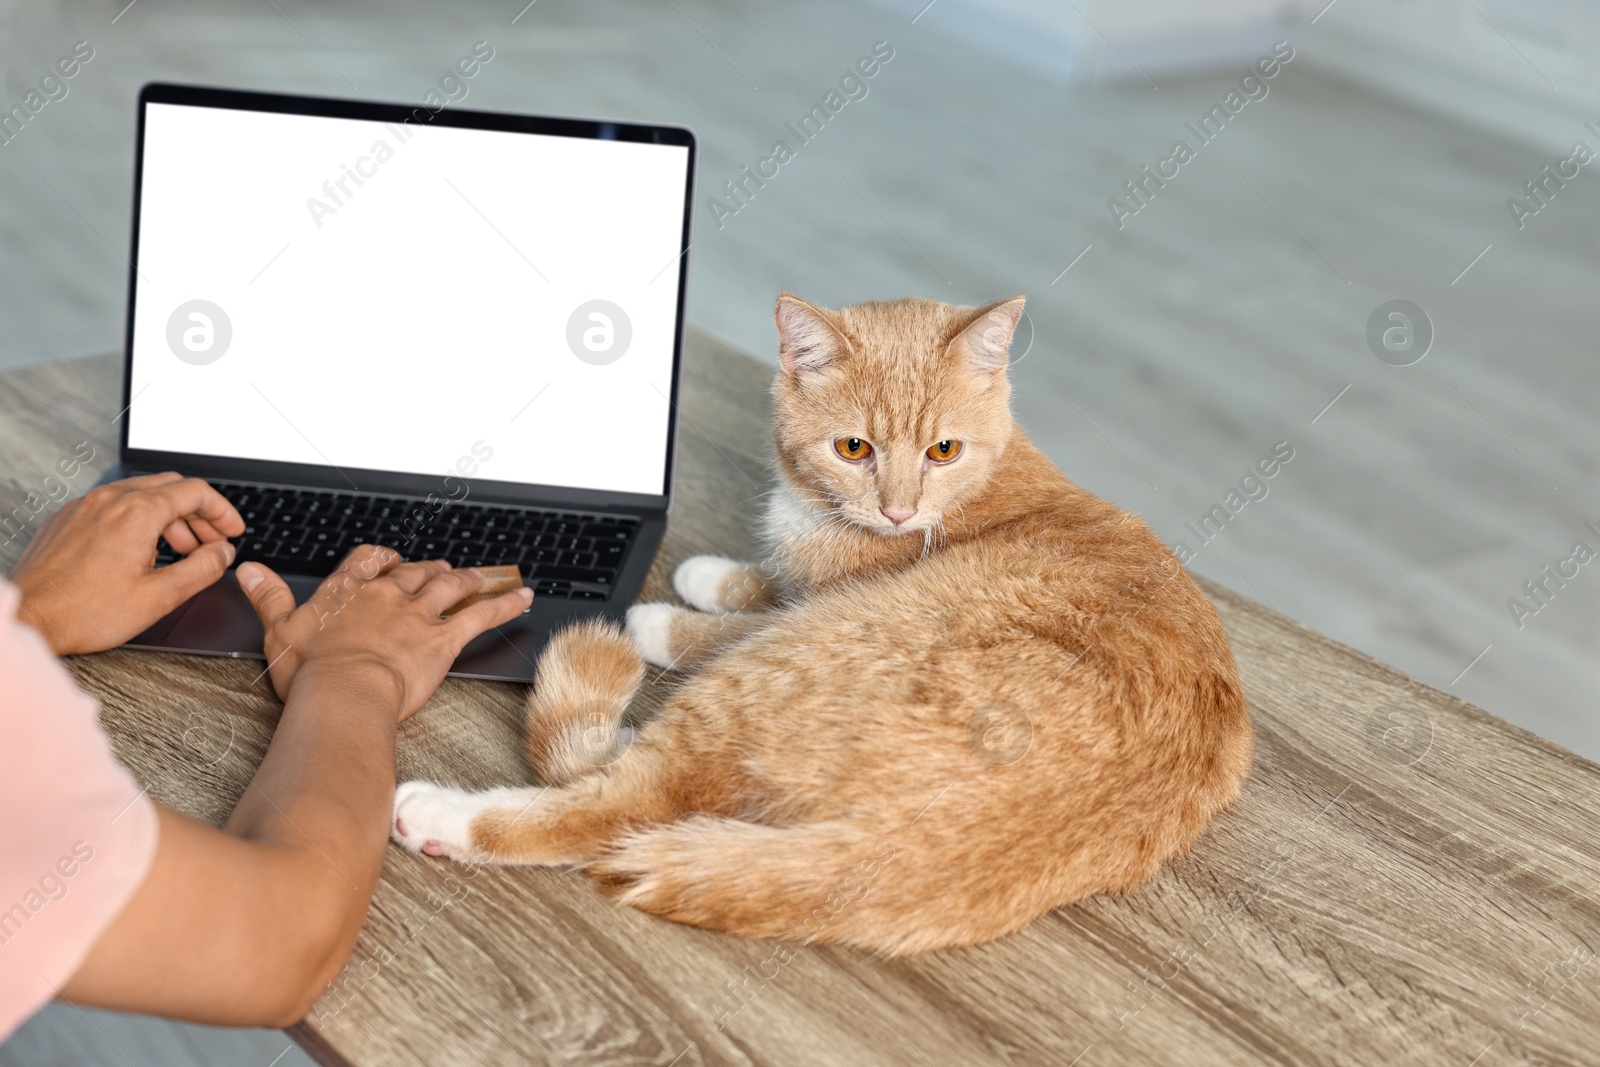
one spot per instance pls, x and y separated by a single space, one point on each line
834 882
586 676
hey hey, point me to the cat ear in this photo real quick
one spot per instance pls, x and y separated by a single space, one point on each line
807 341
985 340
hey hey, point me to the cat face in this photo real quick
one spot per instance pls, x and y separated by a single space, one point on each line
892 414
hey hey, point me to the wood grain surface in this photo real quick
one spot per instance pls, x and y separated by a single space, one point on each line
1406 879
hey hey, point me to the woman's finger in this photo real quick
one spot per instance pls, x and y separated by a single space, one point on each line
194 572
146 481
411 577
189 498
450 588
206 532
474 619
267 593
180 537
368 561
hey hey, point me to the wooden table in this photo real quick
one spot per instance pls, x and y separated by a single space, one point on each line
1406 879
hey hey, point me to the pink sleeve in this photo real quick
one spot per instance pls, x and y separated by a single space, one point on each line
80 833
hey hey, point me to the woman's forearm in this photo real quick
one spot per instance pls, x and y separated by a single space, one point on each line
326 789
248 925
328 777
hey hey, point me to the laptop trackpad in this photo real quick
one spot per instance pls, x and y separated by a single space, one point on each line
220 618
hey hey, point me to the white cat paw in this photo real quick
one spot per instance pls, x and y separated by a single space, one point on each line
650 630
436 820
700 581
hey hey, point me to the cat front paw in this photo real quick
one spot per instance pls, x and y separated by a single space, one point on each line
650 630
435 820
718 584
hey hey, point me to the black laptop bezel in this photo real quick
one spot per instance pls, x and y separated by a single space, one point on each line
447 483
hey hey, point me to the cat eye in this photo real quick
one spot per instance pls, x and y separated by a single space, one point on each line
944 451
852 448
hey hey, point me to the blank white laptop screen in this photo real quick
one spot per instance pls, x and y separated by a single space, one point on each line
357 294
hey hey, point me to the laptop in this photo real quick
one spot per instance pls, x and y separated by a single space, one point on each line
456 333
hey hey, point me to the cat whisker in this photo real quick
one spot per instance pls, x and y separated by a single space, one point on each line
819 495
830 525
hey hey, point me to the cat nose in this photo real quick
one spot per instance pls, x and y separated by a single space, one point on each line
898 515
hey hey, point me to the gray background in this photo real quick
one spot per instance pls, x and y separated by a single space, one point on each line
1226 316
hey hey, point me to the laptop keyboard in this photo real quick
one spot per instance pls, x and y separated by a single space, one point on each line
562 554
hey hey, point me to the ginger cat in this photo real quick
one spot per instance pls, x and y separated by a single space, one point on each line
968 691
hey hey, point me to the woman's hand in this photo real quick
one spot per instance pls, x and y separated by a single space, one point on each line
286 885
88 578
375 622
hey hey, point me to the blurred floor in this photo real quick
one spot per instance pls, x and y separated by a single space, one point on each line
65 1036
1169 356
